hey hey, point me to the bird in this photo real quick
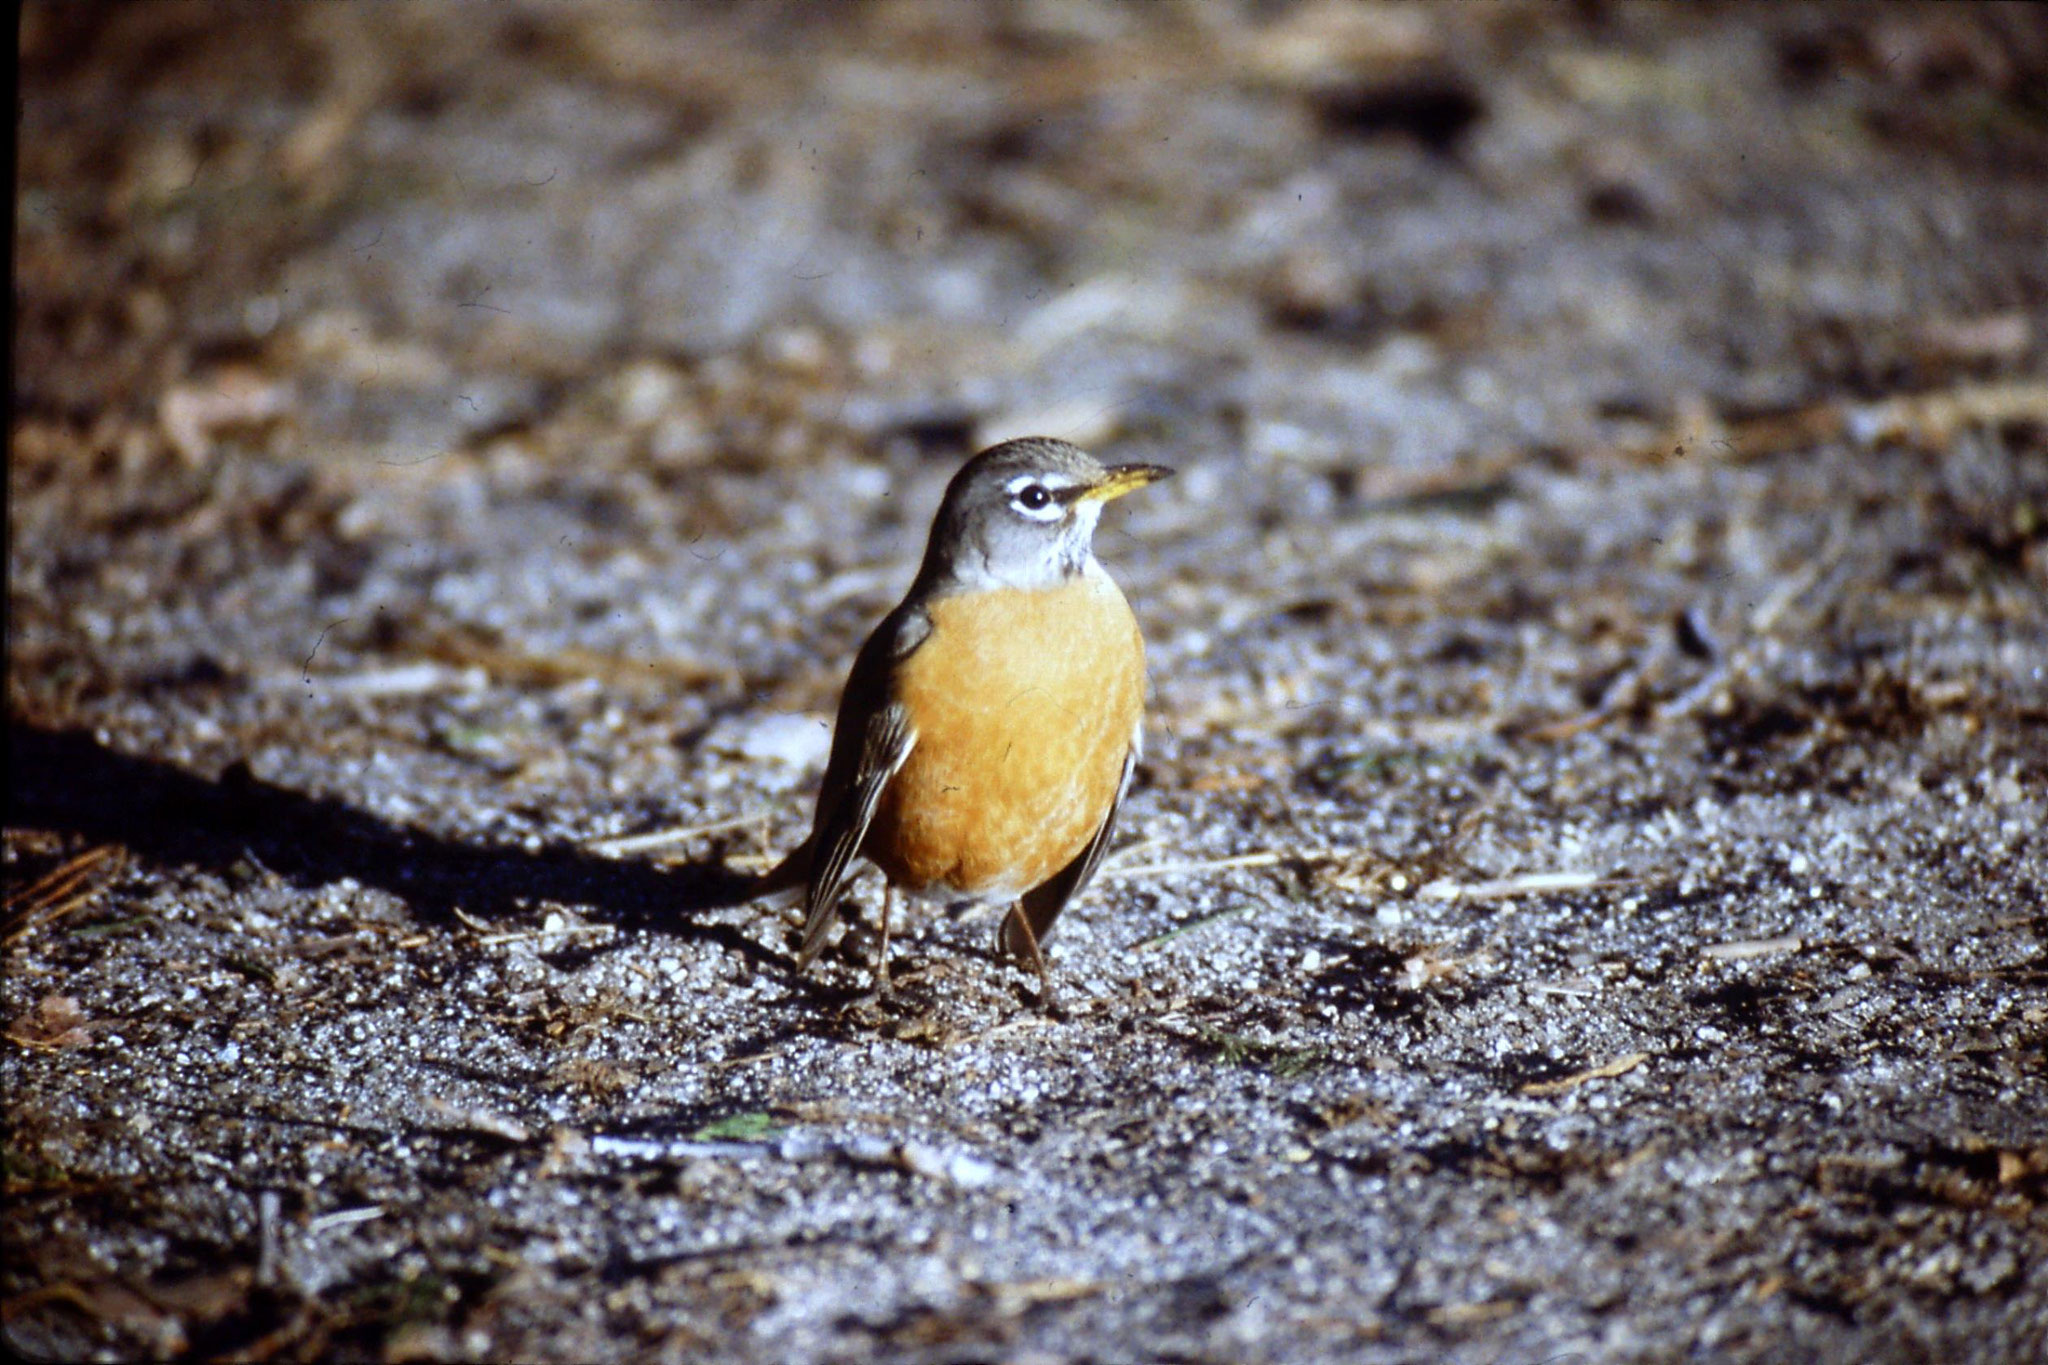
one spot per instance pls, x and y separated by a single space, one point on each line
990 724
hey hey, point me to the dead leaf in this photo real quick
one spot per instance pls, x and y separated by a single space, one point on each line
55 1024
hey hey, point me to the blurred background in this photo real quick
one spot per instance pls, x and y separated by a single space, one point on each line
413 285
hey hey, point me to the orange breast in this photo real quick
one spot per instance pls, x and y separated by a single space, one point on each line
1024 704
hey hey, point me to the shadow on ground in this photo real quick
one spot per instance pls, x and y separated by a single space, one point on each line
67 781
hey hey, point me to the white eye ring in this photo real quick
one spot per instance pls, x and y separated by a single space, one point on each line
1029 497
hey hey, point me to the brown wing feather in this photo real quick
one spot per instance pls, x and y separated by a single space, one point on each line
869 744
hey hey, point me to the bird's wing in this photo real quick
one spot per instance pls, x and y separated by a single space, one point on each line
869 744
1041 905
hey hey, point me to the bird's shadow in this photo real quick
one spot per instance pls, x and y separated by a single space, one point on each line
66 781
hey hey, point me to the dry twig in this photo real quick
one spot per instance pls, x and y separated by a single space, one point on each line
660 838
1620 1066
63 890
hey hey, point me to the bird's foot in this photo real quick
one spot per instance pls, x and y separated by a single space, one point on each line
1048 999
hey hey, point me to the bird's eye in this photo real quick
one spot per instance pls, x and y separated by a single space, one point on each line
1032 497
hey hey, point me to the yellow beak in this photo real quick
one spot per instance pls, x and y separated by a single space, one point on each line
1124 478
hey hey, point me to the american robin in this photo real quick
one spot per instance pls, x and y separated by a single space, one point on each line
989 726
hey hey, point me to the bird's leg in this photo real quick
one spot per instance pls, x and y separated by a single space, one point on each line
1046 999
882 953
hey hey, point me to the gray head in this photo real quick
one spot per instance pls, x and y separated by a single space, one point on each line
1022 514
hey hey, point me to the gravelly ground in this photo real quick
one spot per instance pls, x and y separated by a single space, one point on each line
1584 895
